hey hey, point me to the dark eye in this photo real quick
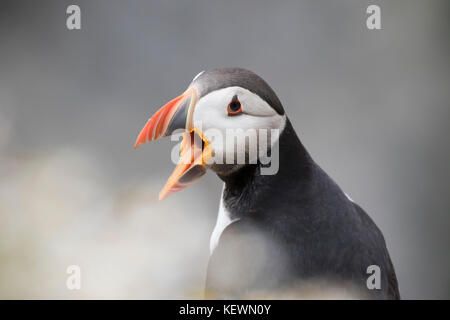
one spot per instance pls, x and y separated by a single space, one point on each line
234 107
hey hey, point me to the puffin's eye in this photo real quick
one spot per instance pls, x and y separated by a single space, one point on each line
234 107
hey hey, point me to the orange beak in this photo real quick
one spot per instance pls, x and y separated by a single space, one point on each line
195 148
176 114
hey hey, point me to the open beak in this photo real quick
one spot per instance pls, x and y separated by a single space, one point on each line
195 148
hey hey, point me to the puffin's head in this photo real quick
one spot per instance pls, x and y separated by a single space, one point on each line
225 115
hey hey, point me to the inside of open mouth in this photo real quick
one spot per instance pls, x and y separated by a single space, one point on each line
194 154
195 148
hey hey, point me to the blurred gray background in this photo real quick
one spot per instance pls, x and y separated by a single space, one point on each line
372 107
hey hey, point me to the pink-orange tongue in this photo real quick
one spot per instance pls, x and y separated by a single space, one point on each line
195 153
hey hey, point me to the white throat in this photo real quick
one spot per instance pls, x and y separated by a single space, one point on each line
223 221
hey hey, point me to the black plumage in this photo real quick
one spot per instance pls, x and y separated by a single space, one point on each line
294 227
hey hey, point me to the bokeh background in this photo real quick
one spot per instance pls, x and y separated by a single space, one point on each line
372 107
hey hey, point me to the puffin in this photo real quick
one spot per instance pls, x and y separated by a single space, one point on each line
284 227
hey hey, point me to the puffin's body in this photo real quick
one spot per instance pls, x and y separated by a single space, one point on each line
294 227
291 231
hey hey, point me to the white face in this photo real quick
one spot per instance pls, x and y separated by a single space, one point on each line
216 119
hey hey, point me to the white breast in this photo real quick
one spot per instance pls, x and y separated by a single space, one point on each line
223 220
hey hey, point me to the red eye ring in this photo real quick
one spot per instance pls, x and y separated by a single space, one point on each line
234 107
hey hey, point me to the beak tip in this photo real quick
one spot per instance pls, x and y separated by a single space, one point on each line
141 139
162 196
